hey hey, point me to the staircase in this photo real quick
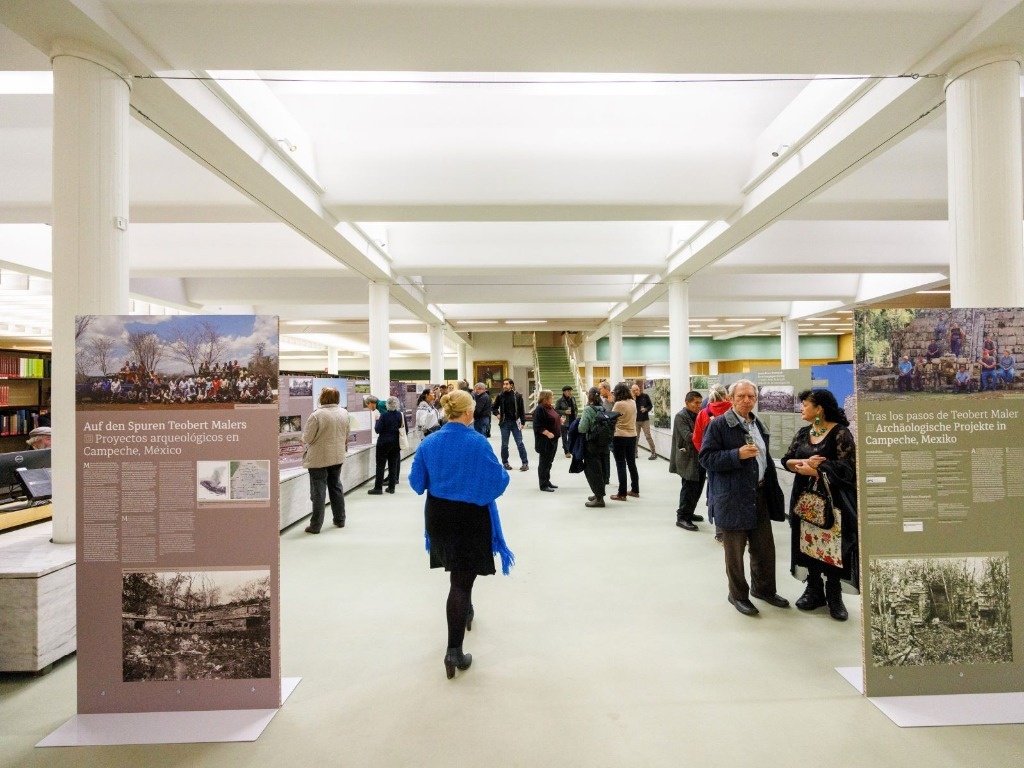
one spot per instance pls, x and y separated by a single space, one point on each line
554 370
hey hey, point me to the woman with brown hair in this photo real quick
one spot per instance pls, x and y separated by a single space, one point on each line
546 429
326 439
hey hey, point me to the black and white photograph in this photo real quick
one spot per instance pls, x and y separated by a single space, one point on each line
300 387
290 424
940 610
779 398
175 361
212 480
195 625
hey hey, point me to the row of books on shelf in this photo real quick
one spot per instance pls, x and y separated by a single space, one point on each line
19 422
24 367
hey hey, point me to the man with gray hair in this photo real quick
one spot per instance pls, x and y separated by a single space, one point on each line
482 411
744 497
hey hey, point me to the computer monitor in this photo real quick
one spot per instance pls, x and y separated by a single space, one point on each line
11 486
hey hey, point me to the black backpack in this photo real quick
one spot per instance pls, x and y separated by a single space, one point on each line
601 431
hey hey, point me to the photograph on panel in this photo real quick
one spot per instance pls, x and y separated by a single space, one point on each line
195 625
912 352
175 361
940 610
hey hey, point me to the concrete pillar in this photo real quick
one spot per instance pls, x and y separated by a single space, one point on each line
436 353
380 345
790 341
983 148
464 372
615 354
679 342
90 229
332 361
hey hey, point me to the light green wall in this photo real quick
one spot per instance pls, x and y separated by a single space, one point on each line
643 350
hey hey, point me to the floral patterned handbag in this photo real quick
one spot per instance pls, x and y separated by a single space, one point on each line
814 506
826 546
821 540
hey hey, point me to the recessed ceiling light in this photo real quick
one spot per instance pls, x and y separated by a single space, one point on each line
524 322
477 322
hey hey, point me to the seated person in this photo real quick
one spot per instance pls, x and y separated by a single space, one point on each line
933 351
962 380
917 377
906 371
1007 366
988 345
39 438
988 371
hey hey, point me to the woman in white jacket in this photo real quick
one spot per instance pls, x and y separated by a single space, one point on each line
426 414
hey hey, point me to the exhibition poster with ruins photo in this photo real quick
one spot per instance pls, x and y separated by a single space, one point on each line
778 405
940 468
178 558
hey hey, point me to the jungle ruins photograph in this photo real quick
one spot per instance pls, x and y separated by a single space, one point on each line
940 610
195 625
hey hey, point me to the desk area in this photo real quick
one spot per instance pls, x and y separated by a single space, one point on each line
37 598
12 517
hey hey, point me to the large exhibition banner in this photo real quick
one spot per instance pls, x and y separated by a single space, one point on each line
178 558
940 465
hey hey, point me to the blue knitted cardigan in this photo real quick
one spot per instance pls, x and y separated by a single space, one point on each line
457 463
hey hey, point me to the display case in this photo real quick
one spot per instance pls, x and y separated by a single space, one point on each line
24 395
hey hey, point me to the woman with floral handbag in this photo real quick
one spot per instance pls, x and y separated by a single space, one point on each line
823 504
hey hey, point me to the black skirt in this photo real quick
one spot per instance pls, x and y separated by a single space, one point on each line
460 536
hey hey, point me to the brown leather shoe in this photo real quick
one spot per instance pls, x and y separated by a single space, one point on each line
634 494
616 497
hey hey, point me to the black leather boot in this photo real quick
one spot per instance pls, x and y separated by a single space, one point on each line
469 619
456 659
834 598
814 594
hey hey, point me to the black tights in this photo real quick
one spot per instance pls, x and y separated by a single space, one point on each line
460 600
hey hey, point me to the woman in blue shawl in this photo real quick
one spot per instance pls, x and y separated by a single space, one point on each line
463 477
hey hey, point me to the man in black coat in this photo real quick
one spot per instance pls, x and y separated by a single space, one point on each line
511 412
566 408
482 411
744 497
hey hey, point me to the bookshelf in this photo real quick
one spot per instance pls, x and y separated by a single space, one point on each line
24 391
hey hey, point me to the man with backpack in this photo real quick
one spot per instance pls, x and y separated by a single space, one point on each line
597 426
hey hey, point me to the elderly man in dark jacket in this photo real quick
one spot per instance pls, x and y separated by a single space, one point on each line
744 497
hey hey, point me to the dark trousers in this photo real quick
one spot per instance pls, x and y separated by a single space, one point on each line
689 496
762 556
596 468
546 451
566 448
624 451
324 481
483 425
389 456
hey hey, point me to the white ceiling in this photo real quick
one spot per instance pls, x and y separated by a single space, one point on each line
555 160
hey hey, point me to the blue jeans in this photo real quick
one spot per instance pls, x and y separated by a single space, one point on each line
483 425
988 379
326 481
507 428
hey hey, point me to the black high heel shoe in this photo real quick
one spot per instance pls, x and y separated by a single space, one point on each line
469 619
456 659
